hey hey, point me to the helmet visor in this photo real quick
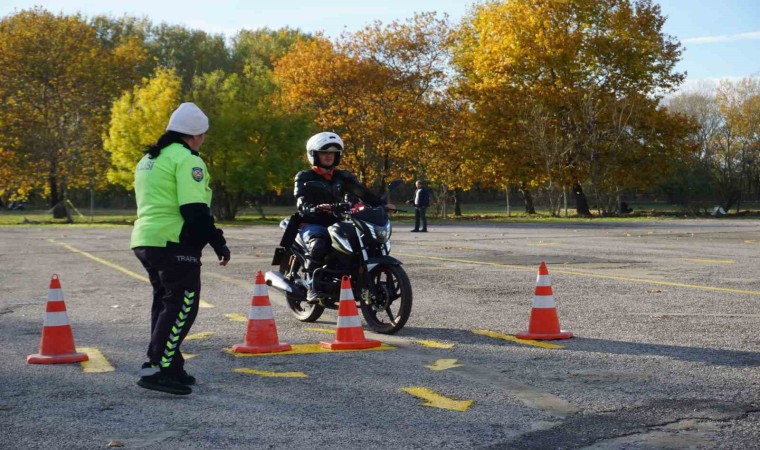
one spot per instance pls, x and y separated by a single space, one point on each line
330 147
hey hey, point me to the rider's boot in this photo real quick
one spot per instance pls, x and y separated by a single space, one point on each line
312 295
318 247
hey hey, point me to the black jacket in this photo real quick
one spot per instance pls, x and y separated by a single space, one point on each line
421 197
343 182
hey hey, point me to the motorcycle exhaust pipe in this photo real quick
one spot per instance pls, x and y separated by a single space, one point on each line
278 281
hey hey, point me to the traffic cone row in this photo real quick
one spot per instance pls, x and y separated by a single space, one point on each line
57 342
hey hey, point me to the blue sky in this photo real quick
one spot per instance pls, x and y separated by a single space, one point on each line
722 37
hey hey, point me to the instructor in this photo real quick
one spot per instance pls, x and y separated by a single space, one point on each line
173 225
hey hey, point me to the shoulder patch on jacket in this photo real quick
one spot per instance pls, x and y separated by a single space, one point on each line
198 174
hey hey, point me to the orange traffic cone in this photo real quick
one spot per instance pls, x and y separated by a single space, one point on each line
57 343
261 336
349 335
544 323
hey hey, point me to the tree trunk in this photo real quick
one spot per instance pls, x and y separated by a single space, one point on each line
457 204
444 205
529 207
581 203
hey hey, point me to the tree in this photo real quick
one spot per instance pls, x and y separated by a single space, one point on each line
56 84
378 88
253 147
593 71
138 119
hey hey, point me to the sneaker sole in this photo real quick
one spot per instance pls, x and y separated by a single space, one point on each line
167 389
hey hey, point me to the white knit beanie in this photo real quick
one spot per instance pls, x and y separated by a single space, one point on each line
188 119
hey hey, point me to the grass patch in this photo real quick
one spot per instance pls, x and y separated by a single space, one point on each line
494 212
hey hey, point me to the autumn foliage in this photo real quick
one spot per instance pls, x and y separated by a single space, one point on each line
551 96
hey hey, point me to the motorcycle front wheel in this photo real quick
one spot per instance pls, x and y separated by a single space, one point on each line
389 311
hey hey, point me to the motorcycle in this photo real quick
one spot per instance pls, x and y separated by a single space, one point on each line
361 250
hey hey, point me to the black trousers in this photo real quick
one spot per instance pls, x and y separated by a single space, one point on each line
419 214
175 274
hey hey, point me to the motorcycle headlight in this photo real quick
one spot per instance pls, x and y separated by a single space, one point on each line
381 234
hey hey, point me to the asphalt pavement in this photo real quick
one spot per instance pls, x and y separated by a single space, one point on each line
665 352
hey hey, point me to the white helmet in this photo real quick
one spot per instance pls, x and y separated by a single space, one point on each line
324 142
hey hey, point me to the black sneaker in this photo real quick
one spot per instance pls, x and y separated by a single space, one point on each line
164 383
415 231
185 378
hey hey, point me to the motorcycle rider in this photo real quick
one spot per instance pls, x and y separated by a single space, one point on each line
323 151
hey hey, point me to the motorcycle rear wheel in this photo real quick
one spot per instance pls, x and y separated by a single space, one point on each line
303 311
389 314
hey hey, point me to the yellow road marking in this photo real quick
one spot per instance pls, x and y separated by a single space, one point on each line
197 336
434 344
302 349
750 241
321 330
718 261
443 364
511 338
97 362
240 283
435 400
265 373
543 244
102 261
590 275
189 355
236 317
201 304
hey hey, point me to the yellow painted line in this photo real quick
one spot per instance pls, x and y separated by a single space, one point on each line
435 400
236 317
511 338
248 286
321 330
265 373
198 336
433 343
750 241
189 355
718 261
543 244
443 364
97 362
590 275
102 261
303 349
201 304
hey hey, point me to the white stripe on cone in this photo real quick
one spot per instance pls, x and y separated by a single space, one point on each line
349 322
260 290
55 295
346 294
543 301
55 319
543 280
260 313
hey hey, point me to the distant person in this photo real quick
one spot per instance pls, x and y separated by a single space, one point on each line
421 202
625 209
173 225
